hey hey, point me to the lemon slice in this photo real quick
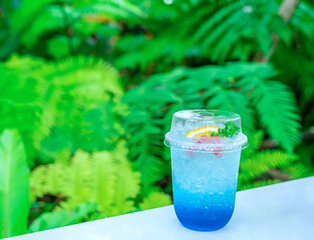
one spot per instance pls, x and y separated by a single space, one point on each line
202 131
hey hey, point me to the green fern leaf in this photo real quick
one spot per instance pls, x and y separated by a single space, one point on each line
103 178
234 29
46 179
145 140
106 178
302 18
155 200
126 185
254 141
298 170
259 163
75 185
276 107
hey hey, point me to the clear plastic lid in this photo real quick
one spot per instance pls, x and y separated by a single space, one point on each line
206 130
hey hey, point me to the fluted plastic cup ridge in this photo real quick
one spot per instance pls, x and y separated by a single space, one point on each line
204 176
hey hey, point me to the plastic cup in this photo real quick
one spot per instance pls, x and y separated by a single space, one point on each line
205 171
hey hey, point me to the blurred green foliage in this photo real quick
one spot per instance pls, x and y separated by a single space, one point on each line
60 107
91 86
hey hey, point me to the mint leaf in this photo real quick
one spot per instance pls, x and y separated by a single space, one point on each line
229 130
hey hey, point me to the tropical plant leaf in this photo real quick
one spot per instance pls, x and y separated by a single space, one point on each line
14 185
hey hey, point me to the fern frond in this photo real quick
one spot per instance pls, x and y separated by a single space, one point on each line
299 170
81 96
25 64
276 106
145 138
60 113
78 71
19 99
18 115
259 163
145 53
37 181
302 18
155 200
75 185
234 29
103 178
127 185
254 143
46 179
205 87
225 99
49 18
19 106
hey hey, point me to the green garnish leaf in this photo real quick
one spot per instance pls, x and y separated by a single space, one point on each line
229 130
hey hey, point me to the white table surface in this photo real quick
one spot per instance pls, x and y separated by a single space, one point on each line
280 211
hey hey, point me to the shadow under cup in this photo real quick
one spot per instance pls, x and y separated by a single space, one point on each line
204 188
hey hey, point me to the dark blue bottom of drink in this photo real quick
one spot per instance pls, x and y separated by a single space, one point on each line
202 219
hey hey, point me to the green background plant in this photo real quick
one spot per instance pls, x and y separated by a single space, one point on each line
90 88
14 185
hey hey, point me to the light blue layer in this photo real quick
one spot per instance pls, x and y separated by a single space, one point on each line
204 188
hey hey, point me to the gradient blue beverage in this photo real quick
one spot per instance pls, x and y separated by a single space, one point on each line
205 174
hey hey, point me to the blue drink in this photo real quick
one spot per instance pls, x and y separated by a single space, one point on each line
204 175
204 188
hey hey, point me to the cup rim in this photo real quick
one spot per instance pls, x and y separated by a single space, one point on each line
211 147
230 116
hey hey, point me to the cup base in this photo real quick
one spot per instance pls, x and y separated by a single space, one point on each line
203 221
203 229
